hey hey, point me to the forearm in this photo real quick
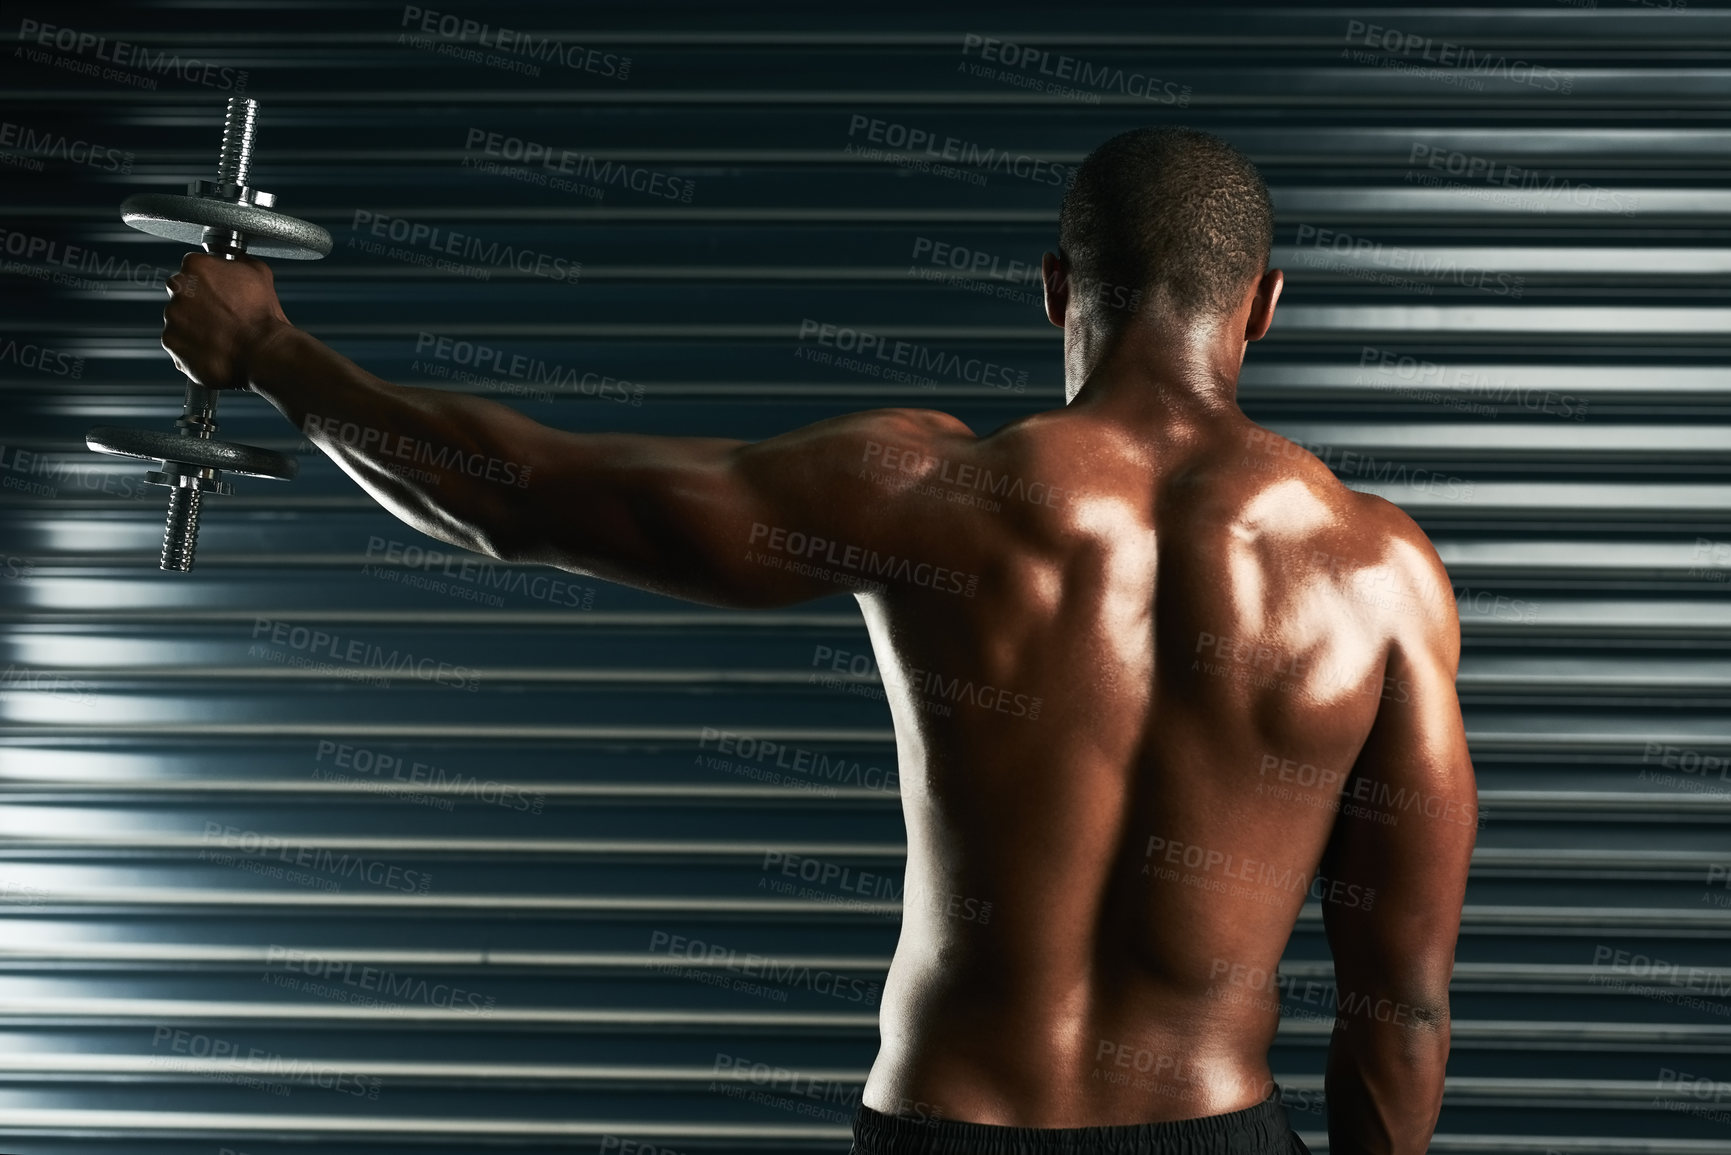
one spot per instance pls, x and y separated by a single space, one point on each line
440 461
1384 1085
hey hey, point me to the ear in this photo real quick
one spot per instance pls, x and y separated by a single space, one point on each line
1262 303
1055 274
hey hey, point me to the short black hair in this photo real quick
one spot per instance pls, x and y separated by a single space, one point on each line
1170 214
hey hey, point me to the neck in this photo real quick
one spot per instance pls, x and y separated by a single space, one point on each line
1155 368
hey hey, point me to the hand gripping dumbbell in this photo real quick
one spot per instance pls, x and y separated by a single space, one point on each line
228 217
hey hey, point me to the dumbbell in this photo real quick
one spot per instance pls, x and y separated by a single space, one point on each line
228 217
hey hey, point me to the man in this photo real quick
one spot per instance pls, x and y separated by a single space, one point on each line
1205 679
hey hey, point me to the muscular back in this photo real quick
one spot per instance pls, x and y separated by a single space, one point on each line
1123 758
1149 675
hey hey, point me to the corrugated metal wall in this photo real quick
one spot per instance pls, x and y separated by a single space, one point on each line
590 876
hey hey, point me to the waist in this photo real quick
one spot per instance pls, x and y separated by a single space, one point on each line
1262 1127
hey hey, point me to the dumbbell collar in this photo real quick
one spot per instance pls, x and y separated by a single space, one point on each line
239 194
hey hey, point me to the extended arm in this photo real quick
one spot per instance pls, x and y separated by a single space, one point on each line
1393 961
708 519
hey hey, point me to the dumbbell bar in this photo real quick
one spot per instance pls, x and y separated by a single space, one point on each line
227 217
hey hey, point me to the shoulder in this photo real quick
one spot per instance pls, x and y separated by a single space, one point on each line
877 429
933 422
1420 600
1404 544
1378 564
1365 527
905 439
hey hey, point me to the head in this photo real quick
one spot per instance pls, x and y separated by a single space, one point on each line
1163 227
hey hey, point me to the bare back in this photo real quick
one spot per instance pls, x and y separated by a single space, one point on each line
1151 669
1123 755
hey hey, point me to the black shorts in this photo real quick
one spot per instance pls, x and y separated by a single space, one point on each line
1259 1130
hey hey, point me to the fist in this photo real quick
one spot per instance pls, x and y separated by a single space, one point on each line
218 312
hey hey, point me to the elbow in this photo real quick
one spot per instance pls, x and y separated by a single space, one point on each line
492 530
498 539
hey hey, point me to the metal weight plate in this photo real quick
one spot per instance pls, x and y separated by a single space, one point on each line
232 457
268 232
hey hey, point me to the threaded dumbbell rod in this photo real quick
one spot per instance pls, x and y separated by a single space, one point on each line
238 129
180 531
180 535
234 166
